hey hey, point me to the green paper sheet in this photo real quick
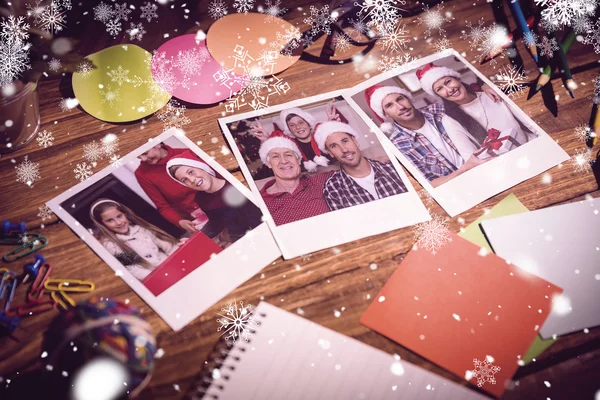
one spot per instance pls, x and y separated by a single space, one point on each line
508 206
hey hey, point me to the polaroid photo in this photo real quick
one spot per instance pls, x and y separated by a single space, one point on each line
173 223
320 176
454 130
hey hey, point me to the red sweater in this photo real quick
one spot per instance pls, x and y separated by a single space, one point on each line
173 200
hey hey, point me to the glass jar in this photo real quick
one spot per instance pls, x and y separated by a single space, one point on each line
19 115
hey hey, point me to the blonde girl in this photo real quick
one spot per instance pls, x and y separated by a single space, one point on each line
137 244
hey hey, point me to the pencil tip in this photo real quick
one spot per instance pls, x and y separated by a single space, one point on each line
538 87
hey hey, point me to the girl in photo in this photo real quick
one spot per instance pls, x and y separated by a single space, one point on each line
230 214
137 244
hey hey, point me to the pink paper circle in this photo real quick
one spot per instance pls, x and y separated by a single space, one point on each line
184 68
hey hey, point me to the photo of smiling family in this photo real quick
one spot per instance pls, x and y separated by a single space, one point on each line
310 159
442 119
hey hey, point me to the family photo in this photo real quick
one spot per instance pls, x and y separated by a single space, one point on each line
164 214
444 119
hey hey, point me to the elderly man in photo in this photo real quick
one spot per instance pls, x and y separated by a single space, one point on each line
418 134
360 180
291 196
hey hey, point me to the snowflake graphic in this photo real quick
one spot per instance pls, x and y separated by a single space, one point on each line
110 144
387 63
257 92
45 139
85 69
217 9
289 40
432 235
119 75
121 12
14 28
53 19
113 27
35 10
243 5
395 40
189 62
341 43
496 37
83 171
148 11
442 44
359 27
110 96
548 46
44 213
564 11
530 39
511 80
596 96
320 20
14 59
173 115
475 35
68 104
582 132
581 24
66 4
93 152
433 20
237 321
593 37
115 160
484 372
582 160
54 65
103 12
136 31
273 10
379 14
28 172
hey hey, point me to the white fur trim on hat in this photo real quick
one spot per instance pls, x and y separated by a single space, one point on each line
433 75
378 95
277 142
325 129
310 166
189 163
299 112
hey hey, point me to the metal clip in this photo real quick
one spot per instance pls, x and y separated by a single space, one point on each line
36 291
34 243
69 285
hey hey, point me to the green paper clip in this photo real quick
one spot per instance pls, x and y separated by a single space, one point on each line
34 243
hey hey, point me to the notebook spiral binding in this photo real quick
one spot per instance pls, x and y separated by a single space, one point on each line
220 358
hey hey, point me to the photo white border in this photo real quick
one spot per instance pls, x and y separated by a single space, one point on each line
480 183
207 284
334 227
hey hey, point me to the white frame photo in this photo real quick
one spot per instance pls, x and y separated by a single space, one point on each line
482 182
334 227
205 285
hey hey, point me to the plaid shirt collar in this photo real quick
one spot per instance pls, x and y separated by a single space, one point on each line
432 113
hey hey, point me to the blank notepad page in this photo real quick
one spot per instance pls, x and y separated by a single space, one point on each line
292 358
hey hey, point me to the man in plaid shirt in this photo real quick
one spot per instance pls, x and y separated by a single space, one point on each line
360 180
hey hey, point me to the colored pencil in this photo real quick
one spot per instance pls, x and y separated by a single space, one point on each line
544 77
520 19
509 43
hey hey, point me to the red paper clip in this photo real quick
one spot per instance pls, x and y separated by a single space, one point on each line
31 308
36 290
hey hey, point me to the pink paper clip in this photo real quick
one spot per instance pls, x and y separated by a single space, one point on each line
36 290
31 308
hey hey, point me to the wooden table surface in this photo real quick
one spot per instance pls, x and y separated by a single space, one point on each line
319 283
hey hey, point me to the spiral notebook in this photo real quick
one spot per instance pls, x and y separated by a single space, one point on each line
289 357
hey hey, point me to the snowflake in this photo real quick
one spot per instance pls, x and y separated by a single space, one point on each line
189 62
27 172
68 104
257 93
66 4
14 59
596 96
243 5
110 96
115 161
35 10
273 10
511 80
237 321
110 144
121 12
341 43
53 19
85 69
583 132
92 151
442 44
432 235
379 13
44 213
14 29
148 11
83 171
433 20
395 39
496 37
484 372
119 75
564 11
45 138
113 27
54 65
548 47
320 20
217 9
475 35
103 12
136 31
593 37
582 160
387 63
581 24
173 115
289 40
530 39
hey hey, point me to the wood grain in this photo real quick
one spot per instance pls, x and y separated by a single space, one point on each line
325 281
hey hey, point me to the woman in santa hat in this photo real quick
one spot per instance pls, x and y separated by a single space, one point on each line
469 112
224 205
299 125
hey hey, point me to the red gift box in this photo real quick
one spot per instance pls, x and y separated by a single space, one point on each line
493 143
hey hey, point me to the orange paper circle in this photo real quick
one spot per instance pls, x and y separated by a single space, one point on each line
245 39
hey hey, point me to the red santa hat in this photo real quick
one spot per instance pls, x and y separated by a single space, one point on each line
275 142
187 158
324 129
295 111
375 95
309 165
430 73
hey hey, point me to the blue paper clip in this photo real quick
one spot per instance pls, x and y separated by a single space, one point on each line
8 285
34 243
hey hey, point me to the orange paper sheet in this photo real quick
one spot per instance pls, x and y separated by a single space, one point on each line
461 305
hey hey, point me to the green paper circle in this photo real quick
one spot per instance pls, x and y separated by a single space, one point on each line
111 96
